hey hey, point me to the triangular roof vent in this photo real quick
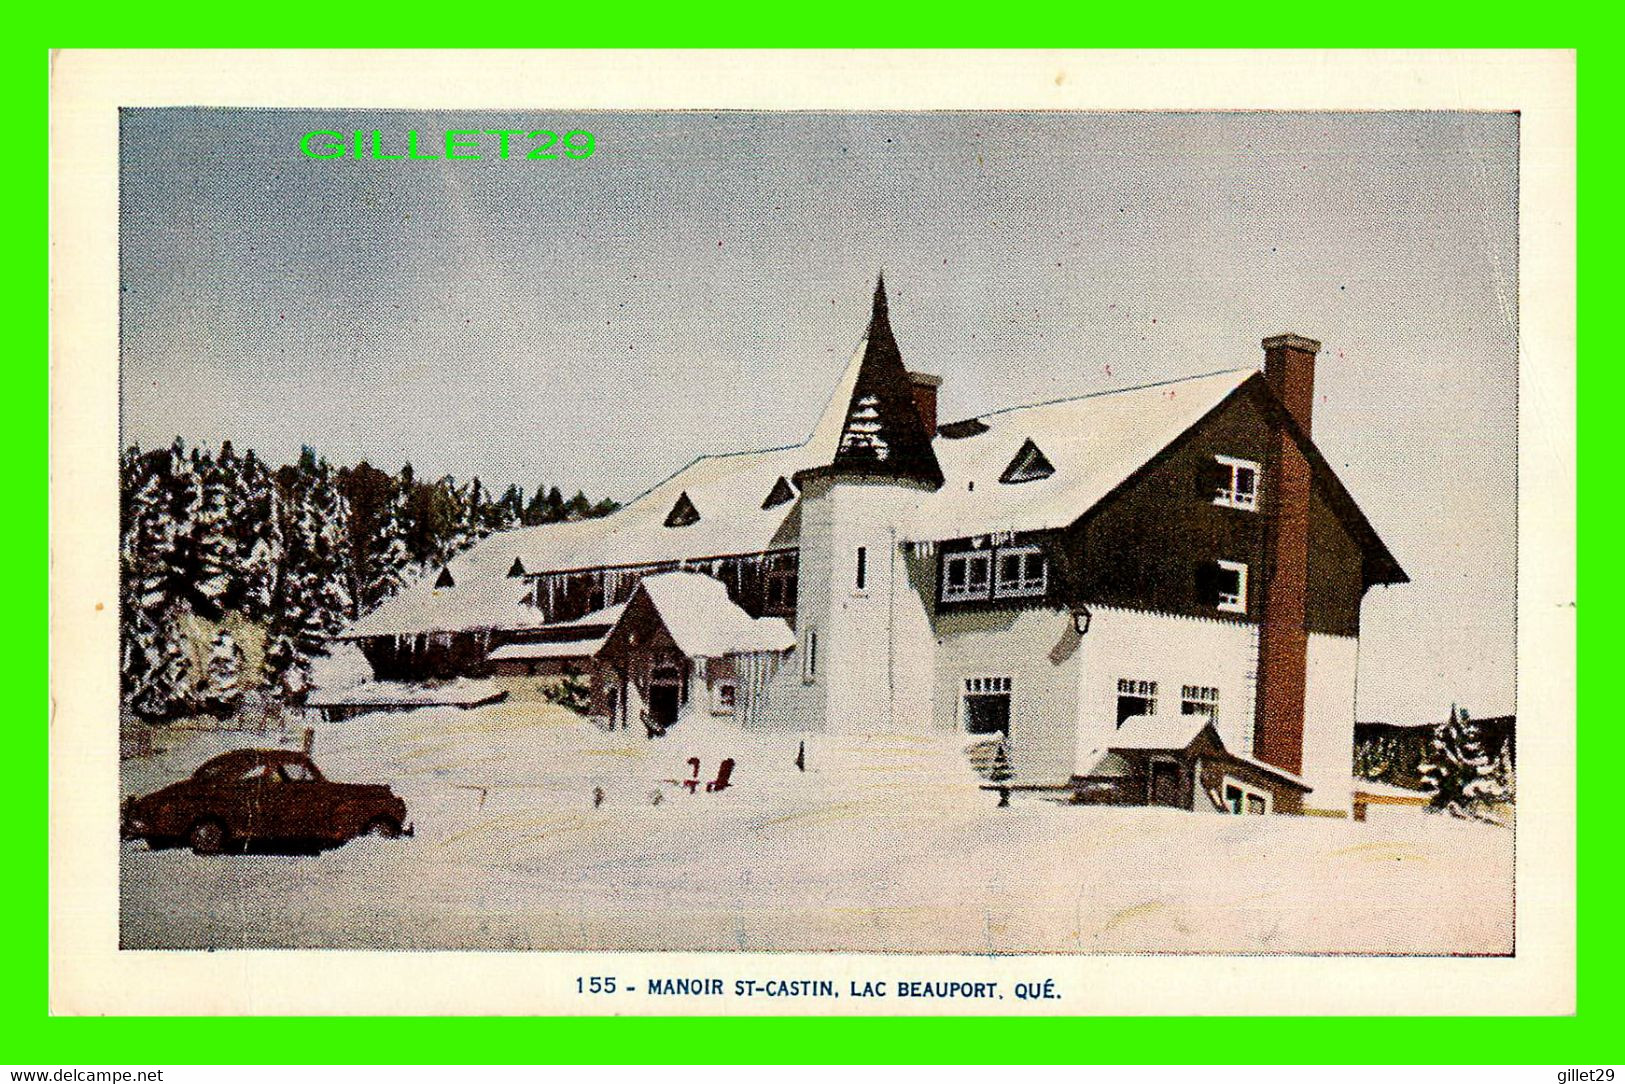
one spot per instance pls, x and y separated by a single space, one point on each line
518 568
444 579
1029 465
683 512
779 494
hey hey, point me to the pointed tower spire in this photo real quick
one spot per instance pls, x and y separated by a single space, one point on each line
882 435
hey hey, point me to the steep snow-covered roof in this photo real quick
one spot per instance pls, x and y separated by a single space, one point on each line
1093 443
705 622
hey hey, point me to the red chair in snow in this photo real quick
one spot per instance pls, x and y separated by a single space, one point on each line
725 771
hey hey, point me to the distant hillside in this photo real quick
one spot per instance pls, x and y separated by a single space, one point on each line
1389 753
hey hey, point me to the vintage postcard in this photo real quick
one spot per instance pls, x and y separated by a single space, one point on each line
699 552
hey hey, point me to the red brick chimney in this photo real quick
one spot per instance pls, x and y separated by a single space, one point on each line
925 399
1283 642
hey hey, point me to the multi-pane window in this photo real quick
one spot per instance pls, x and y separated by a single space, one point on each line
1199 700
998 572
966 575
1244 800
1135 697
1237 483
1021 571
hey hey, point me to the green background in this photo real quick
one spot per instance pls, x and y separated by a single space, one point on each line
30 1036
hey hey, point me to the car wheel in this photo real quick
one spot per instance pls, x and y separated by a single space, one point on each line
382 828
208 837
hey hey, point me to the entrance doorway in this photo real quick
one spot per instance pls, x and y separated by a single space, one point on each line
663 705
1165 784
665 696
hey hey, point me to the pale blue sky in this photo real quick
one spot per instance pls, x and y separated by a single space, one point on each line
698 284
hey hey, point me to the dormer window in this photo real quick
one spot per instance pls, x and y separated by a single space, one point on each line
1029 465
780 494
1021 572
1002 572
517 569
1236 483
444 579
966 575
683 513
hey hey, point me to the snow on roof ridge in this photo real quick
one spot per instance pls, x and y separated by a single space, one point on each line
1249 370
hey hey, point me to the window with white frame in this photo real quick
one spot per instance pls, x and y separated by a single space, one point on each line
1230 587
967 575
986 706
1244 800
1135 697
1199 700
994 573
1237 483
1021 572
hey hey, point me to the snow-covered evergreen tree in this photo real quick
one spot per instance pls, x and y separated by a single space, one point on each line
390 559
213 540
169 687
287 669
222 689
183 497
1505 774
1457 771
257 520
146 555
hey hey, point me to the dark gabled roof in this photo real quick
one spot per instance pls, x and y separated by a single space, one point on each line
883 435
1381 567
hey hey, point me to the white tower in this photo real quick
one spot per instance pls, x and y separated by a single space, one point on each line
864 638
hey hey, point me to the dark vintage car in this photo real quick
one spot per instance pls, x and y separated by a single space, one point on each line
262 794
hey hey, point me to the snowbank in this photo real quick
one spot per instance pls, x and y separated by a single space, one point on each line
884 843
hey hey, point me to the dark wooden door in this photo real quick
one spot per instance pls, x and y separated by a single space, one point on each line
663 705
1165 784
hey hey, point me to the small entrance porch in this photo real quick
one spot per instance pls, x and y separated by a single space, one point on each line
1181 763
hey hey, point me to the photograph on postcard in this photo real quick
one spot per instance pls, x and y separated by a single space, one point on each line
881 532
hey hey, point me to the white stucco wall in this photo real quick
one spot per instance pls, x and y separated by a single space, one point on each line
1328 721
1173 652
876 652
1039 651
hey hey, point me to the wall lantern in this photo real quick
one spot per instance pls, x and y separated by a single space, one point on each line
1080 619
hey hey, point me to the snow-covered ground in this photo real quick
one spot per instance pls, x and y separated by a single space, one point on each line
884 843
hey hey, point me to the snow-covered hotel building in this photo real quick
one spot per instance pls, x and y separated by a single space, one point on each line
1153 593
